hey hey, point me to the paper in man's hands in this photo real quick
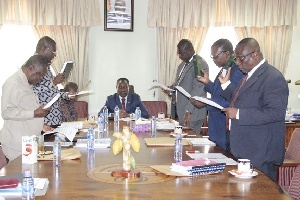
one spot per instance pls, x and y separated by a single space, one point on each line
80 93
202 99
52 101
156 84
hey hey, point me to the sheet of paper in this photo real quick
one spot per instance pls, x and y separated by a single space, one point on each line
202 99
68 132
185 93
80 93
156 84
208 102
52 101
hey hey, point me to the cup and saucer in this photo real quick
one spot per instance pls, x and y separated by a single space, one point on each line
245 169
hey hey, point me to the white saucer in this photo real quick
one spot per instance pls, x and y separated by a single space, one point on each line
174 134
243 175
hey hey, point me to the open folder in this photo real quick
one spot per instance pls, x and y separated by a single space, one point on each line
202 99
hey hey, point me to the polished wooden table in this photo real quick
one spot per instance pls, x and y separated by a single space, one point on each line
70 181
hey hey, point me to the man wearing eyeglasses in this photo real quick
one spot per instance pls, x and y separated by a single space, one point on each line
258 110
222 55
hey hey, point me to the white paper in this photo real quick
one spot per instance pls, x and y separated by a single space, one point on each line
68 132
185 93
202 99
207 101
52 101
156 84
80 93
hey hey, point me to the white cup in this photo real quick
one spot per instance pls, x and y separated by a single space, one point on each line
244 165
161 115
178 130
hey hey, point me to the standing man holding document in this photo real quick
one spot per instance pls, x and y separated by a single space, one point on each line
188 113
257 110
222 55
20 108
48 88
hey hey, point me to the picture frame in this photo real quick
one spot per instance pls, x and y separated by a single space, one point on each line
118 15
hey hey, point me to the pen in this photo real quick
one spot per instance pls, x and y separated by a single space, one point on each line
192 152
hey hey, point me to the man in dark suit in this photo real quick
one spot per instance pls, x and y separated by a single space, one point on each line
222 55
257 110
127 102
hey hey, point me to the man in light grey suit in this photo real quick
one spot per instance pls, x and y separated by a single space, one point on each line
186 77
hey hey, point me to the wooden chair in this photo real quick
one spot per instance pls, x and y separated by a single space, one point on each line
82 109
154 107
291 161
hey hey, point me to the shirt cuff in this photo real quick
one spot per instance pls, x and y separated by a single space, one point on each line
237 116
225 85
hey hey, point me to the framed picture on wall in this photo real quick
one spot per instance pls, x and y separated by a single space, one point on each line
118 15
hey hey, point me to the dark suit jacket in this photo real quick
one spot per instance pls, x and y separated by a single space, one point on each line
217 118
133 101
259 133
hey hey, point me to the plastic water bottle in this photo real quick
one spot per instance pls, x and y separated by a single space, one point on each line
116 114
116 118
153 127
90 136
101 123
56 151
105 113
178 148
138 113
27 186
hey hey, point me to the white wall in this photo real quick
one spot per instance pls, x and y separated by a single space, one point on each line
115 54
293 69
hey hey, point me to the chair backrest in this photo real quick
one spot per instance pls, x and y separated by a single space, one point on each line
82 109
154 107
293 150
294 189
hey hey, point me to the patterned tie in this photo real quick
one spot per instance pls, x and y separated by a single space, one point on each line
238 90
123 104
234 98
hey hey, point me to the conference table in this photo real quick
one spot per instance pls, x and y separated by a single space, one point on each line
87 178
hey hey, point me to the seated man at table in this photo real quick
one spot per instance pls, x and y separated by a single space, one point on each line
127 102
67 106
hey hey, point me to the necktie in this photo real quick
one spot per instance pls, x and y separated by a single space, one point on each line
238 90
123 104
234 98
181 72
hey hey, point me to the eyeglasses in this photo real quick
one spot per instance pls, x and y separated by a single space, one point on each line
241 58
54 52
215 57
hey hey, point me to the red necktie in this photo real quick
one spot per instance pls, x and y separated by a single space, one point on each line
234 98
238 91
123 104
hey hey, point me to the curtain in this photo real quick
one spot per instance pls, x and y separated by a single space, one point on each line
71 44
236 13
168 60
275 43
50 12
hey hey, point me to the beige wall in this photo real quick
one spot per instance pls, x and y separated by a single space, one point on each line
115 54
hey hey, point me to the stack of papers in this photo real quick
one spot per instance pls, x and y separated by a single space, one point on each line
163 141
216 157
99 143
200 141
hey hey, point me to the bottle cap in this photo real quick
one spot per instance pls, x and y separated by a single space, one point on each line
56 138
27 173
